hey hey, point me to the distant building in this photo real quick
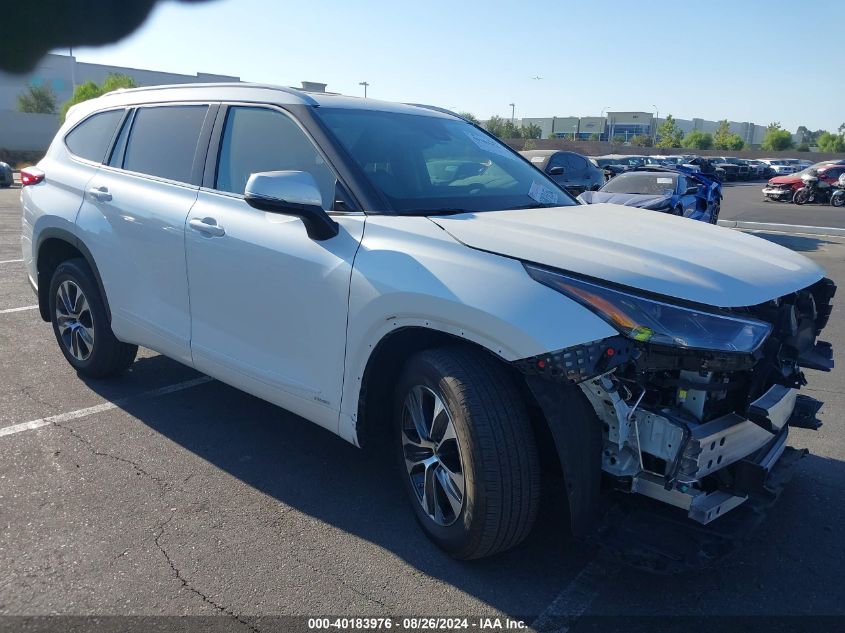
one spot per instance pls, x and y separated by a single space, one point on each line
61 72
33 132
626 125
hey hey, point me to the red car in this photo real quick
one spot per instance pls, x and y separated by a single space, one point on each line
784 187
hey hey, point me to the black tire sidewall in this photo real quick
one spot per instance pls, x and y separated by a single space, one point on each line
464 530
78 272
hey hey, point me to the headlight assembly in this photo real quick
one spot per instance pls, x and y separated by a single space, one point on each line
657 322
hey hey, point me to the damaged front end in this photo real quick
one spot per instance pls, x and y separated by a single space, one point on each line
686 420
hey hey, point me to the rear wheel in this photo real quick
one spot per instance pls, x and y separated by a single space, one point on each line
838 199
81 325
467 454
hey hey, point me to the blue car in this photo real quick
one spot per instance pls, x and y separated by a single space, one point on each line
674 190
6 179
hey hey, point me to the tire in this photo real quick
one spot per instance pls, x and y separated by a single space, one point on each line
81 325
802 196
493 449
838 199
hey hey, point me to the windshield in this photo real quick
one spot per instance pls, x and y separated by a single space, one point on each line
431 164
643 183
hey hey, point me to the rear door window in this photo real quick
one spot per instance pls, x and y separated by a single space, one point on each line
163 141
92 138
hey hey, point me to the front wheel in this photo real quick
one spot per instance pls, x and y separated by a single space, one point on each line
81 325
838 199
802 196
466 451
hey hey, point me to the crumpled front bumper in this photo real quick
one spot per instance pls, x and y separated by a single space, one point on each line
659 538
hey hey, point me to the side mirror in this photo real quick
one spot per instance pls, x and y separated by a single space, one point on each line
291 193
556 171
691 191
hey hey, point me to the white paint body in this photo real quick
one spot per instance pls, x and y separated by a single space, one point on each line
294 321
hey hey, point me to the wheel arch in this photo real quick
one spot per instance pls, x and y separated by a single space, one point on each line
54 246
556 437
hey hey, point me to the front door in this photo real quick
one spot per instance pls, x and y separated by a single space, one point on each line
269 304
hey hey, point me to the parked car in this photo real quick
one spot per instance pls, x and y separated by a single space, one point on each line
743 172
755 168
730 170
778 166
698 164
571 171
783 188
763 169
6 177
611 166
677 191
336 257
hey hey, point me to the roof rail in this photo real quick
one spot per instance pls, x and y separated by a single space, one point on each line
306 98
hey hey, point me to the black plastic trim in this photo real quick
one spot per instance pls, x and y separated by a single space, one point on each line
44 284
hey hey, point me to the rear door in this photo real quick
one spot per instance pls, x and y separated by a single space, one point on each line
133 221
268 303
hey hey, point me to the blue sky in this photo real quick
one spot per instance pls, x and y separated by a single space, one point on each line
747 60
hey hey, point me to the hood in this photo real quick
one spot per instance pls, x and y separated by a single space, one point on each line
655 252
642 201
788 179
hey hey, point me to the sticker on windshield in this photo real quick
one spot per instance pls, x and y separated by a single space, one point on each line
488 144
542 194
664 181
538 159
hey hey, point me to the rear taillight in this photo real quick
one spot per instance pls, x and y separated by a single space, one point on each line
31 176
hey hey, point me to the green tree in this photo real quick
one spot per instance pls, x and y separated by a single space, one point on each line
532 130
90 90
803 147
777 139
698 140
828 142
469 116
37 100
595 136
618 139
669 134
724 139
642 140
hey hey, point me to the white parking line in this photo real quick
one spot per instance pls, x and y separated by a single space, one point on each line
10 310
573 601
106 406
11 261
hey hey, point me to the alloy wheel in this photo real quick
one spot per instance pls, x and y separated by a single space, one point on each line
432 455
74 320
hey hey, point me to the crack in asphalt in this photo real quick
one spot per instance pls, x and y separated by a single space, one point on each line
25 390
161 483
187 585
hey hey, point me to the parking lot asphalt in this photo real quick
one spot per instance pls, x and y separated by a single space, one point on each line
207 501
744 201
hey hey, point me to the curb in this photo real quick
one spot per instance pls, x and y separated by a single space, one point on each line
783 228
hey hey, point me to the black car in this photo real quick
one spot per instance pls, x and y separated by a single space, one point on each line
6 179
572 171
611 166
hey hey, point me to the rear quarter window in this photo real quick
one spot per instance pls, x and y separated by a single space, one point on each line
92 138
163 141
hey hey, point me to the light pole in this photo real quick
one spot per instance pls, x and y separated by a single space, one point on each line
72 70
513 111
601 116
656 121
365 84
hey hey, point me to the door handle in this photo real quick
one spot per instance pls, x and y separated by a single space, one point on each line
207 226
100 193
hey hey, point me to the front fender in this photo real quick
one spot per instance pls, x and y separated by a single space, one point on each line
411 273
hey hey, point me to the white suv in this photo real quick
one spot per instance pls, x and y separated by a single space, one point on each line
387 268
